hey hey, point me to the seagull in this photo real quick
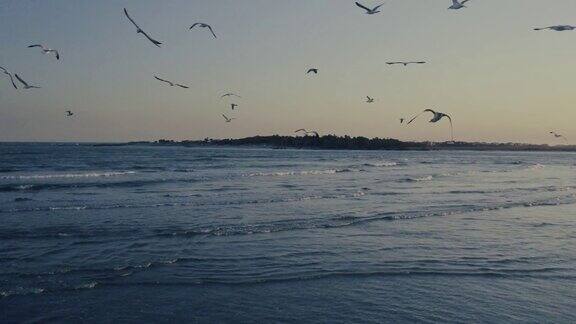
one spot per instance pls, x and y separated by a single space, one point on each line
233 106
458 4
437 117
46 50
405 63
558 135
230 94
26 85
69 113
9 75
227 119
203 25
171 83
313 70
369 100
368 10
558 28
140 31
306 133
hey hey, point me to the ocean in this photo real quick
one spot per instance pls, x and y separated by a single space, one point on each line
143 233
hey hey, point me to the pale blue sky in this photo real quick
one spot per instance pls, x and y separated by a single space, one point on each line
499 80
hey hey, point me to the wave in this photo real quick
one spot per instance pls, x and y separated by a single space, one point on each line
537 273
20 199
69 175
427 178
381 164
300 173
348 220
61 186
304 198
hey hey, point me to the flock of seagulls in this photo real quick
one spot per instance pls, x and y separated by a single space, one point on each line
437 116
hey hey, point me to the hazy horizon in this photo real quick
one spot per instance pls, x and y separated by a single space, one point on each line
486 67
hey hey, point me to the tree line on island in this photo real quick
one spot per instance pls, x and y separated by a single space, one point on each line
333 142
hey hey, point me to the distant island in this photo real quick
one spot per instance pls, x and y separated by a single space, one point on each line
333 142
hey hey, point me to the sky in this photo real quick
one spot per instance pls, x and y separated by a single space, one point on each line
498 79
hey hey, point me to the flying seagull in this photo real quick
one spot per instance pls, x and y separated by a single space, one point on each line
69 113
9 75
557 28
203 25
558 135
233 106
369 100
458 4
313 70
46 50
140 31
368 10
230 94
171 83
437 117
26 85
405 63
227 119
306 133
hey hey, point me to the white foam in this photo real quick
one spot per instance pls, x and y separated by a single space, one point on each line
67 175
298 173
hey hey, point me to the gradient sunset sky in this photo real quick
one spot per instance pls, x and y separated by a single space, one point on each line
499 79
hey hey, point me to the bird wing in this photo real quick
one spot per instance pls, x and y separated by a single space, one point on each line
12 80
57 54
130 18
300 130
10 75
420 114
212 31
451 126
377 7
392 63
37 45
20 79
455 2
196 24
225 117
182 86
157 78
464 1
362 6
155 42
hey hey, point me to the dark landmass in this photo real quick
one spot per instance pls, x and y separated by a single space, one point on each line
332 142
